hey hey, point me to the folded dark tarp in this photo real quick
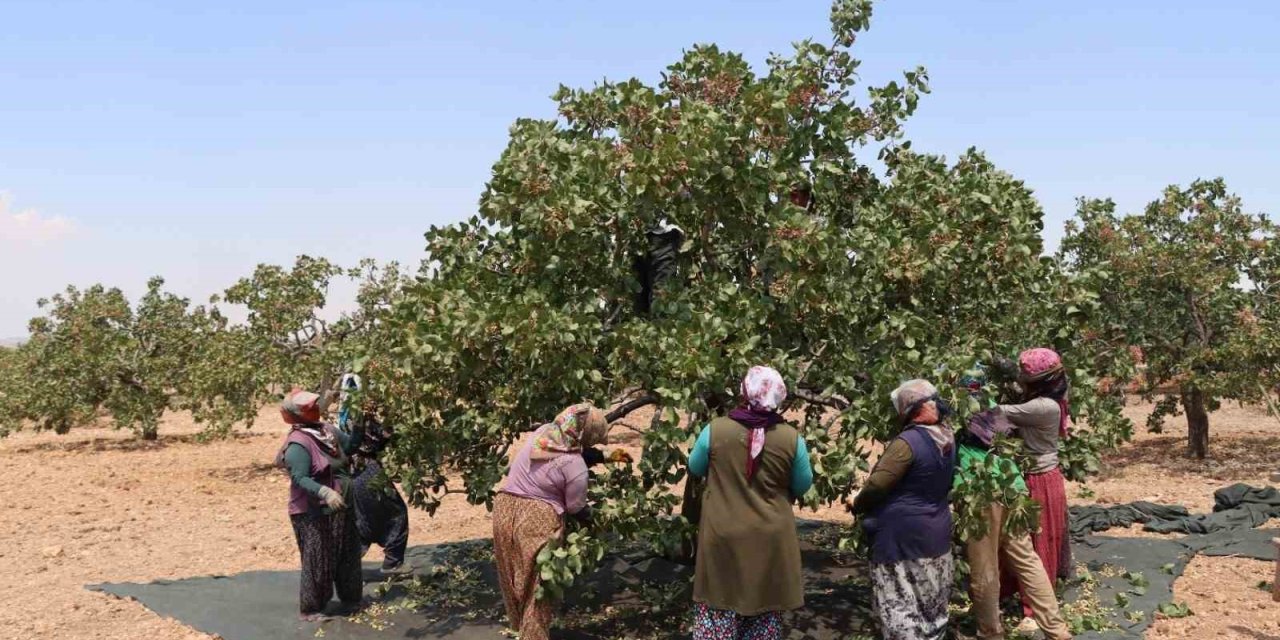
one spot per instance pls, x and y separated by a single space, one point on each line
1238 506
1093 518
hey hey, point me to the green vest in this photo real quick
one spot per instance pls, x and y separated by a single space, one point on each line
748 557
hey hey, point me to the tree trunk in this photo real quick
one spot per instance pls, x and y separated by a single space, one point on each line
150 432
1197 422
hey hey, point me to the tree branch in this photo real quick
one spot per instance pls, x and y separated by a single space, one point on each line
835 402
1201 328
626 408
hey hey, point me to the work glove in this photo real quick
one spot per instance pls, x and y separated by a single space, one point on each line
592 456
332 499
584 516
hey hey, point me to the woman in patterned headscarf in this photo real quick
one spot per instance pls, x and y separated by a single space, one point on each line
1041 421
546 482
748 558
906 512
316 456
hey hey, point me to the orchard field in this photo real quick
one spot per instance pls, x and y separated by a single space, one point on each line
641 249
100 505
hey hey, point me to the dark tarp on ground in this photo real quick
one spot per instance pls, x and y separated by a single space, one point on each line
1159 561
1236 507
1228 531
1093 518
262 605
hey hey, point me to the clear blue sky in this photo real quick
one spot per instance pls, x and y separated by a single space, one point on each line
194 140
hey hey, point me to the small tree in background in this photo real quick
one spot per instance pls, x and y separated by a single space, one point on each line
93 354
1193 284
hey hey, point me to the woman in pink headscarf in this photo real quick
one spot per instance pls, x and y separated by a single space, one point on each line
1042 420
748 558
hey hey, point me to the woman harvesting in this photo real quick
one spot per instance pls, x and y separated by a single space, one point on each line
906 513
547 481
748 558
316 456
1041 421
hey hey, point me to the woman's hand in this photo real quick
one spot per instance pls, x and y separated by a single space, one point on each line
848 503
620 456
332 499
592 456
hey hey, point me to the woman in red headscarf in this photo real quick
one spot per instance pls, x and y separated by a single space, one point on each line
1042 420
316 456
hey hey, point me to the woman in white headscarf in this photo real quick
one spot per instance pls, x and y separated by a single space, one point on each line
906 512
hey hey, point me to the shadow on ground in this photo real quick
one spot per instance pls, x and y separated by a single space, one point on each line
453 594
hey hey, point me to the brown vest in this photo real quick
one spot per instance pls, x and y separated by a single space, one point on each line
748 553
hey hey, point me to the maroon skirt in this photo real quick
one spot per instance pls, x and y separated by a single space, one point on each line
1053 541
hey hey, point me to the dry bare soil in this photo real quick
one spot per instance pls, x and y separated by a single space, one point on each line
99 506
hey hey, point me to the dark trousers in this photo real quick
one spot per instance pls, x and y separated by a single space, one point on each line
330 548
381 514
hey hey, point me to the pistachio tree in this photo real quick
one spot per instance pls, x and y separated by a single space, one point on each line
93 355
286 340
11 374
1192 283
650 243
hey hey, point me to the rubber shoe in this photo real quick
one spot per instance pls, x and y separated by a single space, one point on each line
1027 628
401 569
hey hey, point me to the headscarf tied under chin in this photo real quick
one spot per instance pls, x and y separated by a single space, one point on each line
576 428
1040 371
918 404
763 392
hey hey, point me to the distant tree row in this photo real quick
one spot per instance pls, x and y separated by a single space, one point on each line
93 357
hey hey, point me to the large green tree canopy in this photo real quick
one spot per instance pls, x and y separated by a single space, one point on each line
811 237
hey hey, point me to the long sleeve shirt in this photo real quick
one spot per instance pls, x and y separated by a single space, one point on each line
888 472
801 468
1037 424
298 460
560 482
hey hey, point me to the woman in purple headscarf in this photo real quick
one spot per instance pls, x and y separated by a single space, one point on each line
748 558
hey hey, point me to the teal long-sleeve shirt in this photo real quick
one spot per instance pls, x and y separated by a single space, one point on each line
801 469
298 460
